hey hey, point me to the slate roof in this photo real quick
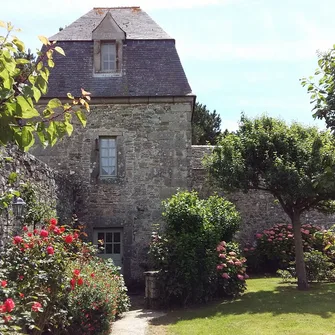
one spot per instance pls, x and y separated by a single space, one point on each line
150 65
136 23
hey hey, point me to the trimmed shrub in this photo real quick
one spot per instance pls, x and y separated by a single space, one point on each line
185 253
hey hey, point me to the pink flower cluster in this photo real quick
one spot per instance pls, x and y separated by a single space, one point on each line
230 265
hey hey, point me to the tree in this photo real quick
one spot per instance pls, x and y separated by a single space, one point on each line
296 164
322 91
23 81
205 125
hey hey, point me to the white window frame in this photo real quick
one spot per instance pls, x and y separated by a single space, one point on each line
107 151
103 242
108 54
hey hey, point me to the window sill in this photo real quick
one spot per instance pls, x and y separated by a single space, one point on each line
110 180
107 74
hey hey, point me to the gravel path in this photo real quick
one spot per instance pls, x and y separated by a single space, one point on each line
135 322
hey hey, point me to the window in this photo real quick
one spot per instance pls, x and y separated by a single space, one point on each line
110 241
107 156
108 57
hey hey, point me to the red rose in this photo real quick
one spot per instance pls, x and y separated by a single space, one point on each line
3 283
80 281
68 239
73 283
21 277
9 304
75 235
35 231
17 239
92 275
53 221
30 234
44 233
62 229
76 272
25 228
36 307
56 230
21 295
50 250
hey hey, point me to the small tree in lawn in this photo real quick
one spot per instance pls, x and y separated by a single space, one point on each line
296 164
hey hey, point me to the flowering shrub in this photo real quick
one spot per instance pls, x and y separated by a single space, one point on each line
231 269
98 294
36 278
274 248
185 253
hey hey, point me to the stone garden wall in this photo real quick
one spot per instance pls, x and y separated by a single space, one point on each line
258 209
53 188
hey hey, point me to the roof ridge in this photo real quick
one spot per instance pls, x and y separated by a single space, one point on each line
121 7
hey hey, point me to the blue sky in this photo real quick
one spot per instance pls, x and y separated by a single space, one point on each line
241 55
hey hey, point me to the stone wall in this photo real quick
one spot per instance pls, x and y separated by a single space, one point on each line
53 188
153 150
258 209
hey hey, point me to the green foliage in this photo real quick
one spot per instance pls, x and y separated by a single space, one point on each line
23 81
319 268
185 252
274 248
296 164
321 88
205 125
36 210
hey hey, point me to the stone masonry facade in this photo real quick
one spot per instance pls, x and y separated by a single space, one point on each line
153 150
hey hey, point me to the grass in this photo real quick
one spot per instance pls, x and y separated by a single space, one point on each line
267 307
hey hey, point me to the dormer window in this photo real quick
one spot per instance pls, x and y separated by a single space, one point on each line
108 40
108 57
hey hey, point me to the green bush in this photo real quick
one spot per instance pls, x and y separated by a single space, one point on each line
274 247
185 253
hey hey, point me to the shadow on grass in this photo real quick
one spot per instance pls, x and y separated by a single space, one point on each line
284 299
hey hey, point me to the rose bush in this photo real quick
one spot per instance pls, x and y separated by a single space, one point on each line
36 279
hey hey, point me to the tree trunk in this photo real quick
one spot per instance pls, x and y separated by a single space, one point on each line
299 253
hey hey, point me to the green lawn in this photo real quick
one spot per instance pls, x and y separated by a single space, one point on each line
266 308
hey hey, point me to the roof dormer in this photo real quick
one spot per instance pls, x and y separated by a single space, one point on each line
108 40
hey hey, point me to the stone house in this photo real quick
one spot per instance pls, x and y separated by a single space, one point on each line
135 149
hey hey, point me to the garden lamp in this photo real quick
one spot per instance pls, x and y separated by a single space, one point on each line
18 207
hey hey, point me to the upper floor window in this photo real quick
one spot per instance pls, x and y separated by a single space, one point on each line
108 57
108 162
